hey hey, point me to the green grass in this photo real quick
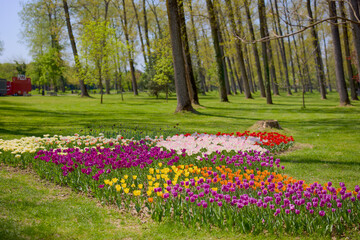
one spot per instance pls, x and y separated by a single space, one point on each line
330 135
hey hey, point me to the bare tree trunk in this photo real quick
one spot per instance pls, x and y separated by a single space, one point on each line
237 75
318 60
282 51
182 94
84 92
354 10
188 64
339 68
231 73
265 48
327 64
140 33
218 54
240 54
146 28
255 50
200 70
347 53
131 60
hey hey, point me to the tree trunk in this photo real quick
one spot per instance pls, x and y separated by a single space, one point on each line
240 54
131 60
218 54
231 73
327 64
255 50
146 29
347 52
200 70
318 60
182 94
355 16
84 92
237 75
265 48
140 33
282 50
339 69
188 64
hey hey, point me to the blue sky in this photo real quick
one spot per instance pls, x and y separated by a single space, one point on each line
10 28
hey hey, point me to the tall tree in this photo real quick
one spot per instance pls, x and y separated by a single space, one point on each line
139 30
339 68
218 54
347 52
146 29
354 10
200 69
282 49
255 50
318 60
240 54
265 48
130 55
84 92
182 94
193 93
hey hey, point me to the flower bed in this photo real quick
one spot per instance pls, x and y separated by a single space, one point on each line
224 180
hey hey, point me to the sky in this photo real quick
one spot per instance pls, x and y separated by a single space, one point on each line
10 32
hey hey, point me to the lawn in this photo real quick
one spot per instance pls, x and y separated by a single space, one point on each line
327 135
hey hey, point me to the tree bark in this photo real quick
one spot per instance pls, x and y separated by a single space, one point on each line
146 29
193 93
339 68
355 16
318 60
200 70
347 52
327 64
131 60
264 33
84 92
282 50
240 54
139 29
218 54
182 94
255 50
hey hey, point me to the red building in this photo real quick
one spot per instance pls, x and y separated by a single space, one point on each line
18 86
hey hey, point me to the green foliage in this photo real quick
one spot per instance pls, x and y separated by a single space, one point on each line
159 72
8 70
1 47
97 50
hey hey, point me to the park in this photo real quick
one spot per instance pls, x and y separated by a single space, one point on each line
214 119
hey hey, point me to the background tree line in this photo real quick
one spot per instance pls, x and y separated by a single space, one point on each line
192 47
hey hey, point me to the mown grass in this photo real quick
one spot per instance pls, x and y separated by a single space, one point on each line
329 135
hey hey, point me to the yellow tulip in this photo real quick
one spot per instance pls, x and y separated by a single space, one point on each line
126 190
134 177
118 188
126 177
114 180
140 186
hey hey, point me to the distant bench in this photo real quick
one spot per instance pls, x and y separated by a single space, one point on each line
52 93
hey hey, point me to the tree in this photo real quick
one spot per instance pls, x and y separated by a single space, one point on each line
218 54
354 9
339 68
97 42
183 99
240 54
255 50
188 63
318 60
351 74
265 48
84 92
